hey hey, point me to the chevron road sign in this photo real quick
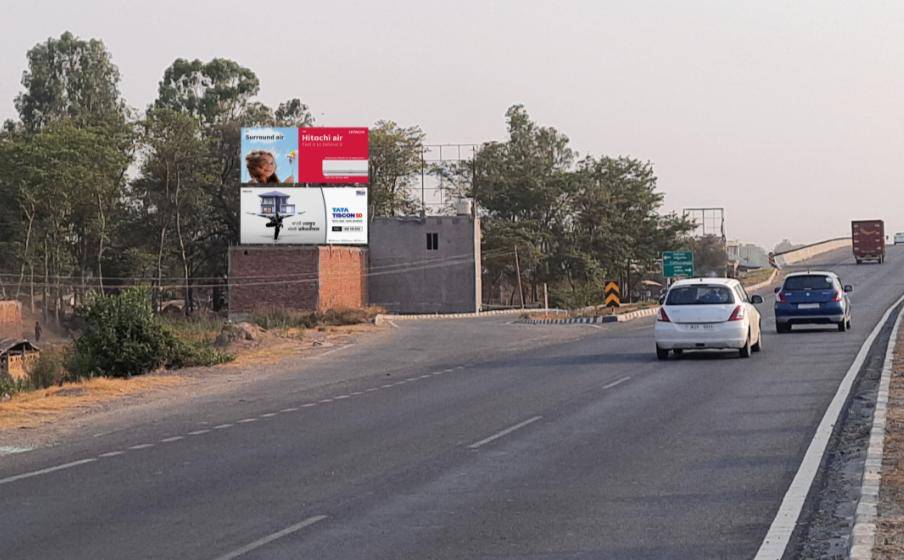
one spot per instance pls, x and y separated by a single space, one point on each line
613 294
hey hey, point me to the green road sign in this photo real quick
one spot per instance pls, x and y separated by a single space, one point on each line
677 263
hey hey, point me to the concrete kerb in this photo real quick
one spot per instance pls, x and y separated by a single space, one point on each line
863 535
382 317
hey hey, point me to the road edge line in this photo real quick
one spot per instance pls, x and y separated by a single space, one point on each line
785 521
863 533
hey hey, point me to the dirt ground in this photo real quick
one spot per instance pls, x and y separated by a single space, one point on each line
33 409
890 523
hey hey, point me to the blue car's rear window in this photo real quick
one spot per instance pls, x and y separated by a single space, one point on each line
809 282
699 295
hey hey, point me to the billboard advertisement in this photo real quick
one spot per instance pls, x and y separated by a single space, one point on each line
304 155
303 216
332 155
269 155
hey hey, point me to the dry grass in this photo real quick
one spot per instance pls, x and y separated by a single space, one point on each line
890 524
34 408
755 276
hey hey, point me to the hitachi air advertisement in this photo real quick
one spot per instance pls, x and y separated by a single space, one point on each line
304 155
303 216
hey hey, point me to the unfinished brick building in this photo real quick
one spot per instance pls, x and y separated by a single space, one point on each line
296 278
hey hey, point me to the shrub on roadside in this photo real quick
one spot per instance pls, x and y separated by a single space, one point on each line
280 318
122 337
47 370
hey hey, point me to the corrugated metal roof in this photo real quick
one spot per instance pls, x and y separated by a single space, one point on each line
8 344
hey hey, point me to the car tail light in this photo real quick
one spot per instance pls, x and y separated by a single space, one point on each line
836 296
737 314
663 316
780 296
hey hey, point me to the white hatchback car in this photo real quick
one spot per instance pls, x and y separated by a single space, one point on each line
708 313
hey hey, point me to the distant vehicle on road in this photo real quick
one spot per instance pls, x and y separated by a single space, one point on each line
868 240
708 313
899 238
812 298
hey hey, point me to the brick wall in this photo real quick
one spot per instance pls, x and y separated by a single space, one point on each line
268 277
342 277
10 319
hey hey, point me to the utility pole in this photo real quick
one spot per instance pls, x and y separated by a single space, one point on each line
518 271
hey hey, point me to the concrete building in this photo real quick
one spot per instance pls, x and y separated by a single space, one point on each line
425 265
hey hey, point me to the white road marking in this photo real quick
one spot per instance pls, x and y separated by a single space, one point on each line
290 409
356 393
47 470
111 454
372 389
386 386
616 382
460 367
340 397
328 352
309 405
223 426
412 379
270 538
246 420
392 323
438 373
268 415
10 450
198 432
425 376
779 534
141 446
504 432
171 439
324 401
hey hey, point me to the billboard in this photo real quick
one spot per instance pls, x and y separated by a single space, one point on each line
332 155
304 155
269 155
303 216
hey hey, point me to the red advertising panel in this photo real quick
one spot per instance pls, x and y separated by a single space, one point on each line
332 155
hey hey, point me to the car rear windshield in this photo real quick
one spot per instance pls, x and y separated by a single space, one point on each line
699 295
809 282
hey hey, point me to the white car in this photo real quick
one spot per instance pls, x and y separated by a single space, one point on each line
899 238
708 313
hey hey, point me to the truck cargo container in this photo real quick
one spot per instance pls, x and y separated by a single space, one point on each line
868 240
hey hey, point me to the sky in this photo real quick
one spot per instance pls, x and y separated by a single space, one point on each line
790 115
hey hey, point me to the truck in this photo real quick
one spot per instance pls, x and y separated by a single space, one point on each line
868 240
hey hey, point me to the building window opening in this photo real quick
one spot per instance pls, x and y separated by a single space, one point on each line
432 241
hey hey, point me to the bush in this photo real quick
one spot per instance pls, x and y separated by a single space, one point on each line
47 370
122 337
10 386
280 318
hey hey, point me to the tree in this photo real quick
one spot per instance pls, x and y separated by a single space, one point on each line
214 92
710 258
68 78
396 160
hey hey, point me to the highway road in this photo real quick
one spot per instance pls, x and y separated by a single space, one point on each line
460 439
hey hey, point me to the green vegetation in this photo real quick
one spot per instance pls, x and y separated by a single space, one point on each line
286 319
122 337
75 221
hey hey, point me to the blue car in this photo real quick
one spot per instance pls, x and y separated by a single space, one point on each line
812 298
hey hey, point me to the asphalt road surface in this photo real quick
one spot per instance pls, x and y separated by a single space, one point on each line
460 439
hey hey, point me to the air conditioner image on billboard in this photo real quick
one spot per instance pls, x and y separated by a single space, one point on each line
276 203
345 168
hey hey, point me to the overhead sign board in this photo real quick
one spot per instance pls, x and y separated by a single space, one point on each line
677 263
303 216
273 155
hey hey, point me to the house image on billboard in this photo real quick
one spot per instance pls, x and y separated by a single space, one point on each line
275 202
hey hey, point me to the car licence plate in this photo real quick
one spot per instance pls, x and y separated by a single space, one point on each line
700 326
808 306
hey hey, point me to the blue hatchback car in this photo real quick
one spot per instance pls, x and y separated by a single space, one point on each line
812 298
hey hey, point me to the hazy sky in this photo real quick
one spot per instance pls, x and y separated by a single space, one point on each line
788 114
